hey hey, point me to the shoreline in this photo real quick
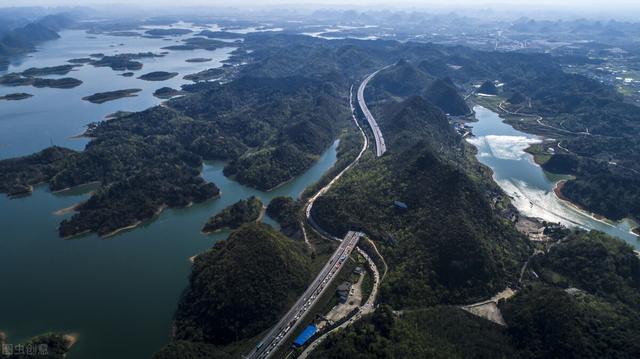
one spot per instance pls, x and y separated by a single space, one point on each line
71 339
559 184
136 224
596 217
92 183
63 211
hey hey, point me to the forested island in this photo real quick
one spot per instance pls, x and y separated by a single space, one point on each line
199 59
196 43
122 62
16 96
102 97
219 34
270 129
168 32
158 76
14 79
44 71
237 214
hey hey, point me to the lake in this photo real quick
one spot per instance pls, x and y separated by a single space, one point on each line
118 294
53 116
501 147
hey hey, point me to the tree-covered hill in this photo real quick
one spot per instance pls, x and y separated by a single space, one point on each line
449 245
595 263
437 332
583 306
286 211
404 80
241 286
444 94
288 121
23 39
235 215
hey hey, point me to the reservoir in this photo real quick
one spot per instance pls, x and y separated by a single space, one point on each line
117 294
501 147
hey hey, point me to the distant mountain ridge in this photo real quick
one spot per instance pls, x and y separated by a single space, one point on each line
404 80
25 38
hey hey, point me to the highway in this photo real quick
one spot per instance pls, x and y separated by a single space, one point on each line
288 323
326 188
381 147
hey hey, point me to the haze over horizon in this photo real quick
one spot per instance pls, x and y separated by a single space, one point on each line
577 5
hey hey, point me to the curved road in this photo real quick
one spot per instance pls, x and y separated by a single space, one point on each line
287 324
381 147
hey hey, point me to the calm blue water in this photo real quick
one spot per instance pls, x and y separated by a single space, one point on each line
501 147
117 294
55 115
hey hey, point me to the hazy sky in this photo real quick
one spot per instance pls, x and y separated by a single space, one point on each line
608 4
623 9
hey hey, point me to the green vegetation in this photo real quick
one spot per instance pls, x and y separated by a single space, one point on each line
488 88
232 217
598 319
220 34
240 288
517 98
158 76
199 59
44 71
168 32
287 212
596 263
448 246
287 122
405 79
14 79
269 129
269 168
600 187
122 62
205 75
140 173
195 43
19 174
80 60
167 93
548 323
539 152
24 39
437 332
444 95
103 97
16 96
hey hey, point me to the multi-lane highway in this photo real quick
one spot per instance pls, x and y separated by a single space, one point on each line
381 147
278 334
287 324
323 190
